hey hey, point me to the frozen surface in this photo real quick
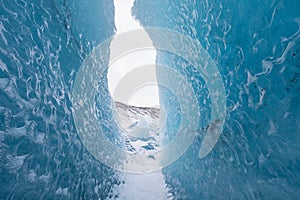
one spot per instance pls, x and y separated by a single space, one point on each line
140 127
256 46
41 48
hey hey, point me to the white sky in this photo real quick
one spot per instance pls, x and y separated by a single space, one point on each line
147 186
144 96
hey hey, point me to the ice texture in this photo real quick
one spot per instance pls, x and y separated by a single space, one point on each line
257 50
256 46
42 46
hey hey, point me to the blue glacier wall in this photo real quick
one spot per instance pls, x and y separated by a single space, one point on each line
257 49
42 46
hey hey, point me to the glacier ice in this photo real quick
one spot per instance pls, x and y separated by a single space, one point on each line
43 44
255 45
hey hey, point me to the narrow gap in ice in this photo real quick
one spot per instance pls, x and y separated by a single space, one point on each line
139 115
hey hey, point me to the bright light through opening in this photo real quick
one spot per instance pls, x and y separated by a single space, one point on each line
144 96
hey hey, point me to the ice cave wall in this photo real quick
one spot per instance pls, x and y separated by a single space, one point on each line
43 44
256 46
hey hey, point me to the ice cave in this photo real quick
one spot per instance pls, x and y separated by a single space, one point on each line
150 99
